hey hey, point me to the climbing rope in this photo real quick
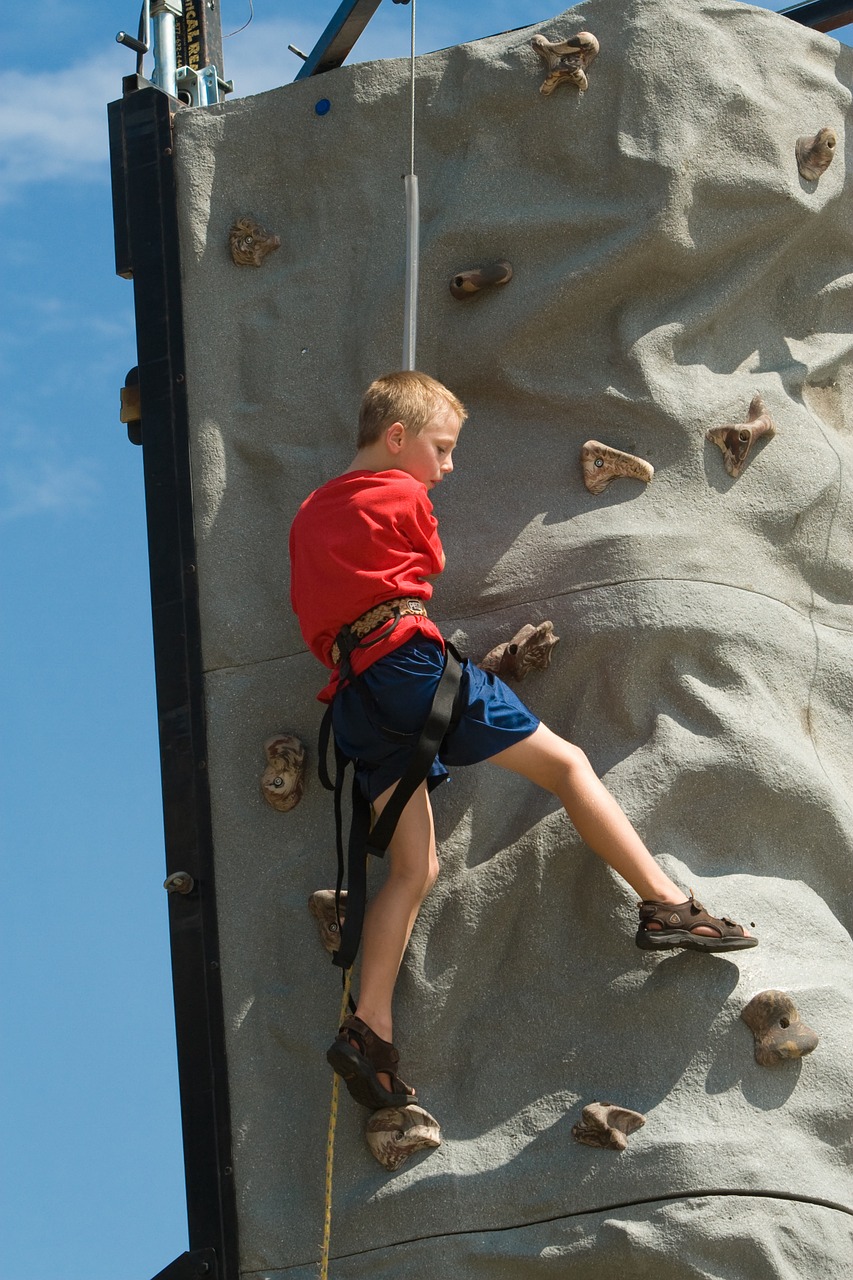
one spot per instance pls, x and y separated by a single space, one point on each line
330 1144
410 324
410 315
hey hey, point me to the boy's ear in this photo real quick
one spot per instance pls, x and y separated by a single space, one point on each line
395 436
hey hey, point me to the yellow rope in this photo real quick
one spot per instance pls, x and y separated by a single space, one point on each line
330 1145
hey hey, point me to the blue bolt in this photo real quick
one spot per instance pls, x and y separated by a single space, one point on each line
322 106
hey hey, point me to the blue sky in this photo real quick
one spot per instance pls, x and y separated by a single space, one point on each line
92 1161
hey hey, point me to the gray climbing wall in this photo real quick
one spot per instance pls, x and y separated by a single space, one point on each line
669 263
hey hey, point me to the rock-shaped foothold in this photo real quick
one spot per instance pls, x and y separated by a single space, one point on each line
601 465
321 904
779 1032
815 155
735 440
395 1133
605 1124
283 780
466 283
179 882
567 61
250 243
528 650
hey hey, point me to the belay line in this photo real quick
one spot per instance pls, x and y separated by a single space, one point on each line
410 331
410 314
330 1145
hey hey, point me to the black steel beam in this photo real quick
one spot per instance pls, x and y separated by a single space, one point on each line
199 37
147 251
822 15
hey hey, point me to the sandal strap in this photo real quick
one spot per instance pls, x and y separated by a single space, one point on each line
380 1053
686 915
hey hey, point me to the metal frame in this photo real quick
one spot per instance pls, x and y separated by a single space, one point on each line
822 15
336 42
147 251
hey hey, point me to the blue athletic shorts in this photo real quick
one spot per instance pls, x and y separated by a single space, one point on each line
400 689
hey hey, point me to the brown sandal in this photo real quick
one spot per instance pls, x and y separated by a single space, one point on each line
359 1066
677 922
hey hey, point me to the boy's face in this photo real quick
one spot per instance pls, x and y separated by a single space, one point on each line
427 456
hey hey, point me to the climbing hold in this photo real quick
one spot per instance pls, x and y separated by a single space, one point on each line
321 904
395 1133
601 464
250 243
179 882
736 440
779 1033
467 283
528 650
815 155
605 1124
283 780
322 107
567 60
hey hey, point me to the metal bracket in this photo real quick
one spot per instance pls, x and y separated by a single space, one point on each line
186 43
200 88
191 1266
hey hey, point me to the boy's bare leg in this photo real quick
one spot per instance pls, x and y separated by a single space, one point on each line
562 768
390 916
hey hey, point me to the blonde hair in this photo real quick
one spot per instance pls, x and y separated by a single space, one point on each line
408 397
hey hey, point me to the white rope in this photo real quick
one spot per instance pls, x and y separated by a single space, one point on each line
410 314
412 79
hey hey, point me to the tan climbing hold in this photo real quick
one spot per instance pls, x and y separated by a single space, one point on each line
250 243
605 1124
815 155
779 1032
283 780
395 1133
735 440
567 61
465 284
321 904
601 464
528 650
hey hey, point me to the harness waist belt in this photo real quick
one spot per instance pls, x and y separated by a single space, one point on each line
388 611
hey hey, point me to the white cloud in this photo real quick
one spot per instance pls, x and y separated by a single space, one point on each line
53 125
42 486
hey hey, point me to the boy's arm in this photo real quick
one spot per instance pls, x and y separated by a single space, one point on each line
427 577
421 529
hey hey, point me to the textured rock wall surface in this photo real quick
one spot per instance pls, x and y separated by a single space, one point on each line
669 263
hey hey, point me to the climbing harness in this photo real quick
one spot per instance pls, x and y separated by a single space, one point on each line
365 838
377 616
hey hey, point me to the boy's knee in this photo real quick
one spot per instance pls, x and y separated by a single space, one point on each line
565 761
577 758
418 877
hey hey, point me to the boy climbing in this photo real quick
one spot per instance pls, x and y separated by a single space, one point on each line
364 548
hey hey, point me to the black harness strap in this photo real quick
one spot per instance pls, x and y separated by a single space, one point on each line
442 715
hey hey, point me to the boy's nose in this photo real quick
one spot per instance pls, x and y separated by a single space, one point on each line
447 466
